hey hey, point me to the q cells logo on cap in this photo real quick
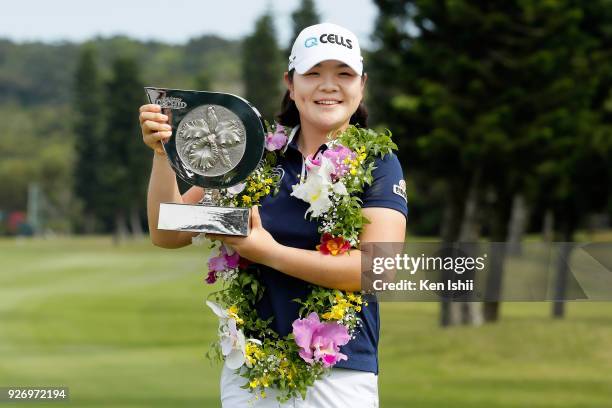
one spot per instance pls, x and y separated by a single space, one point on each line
336 39
311 42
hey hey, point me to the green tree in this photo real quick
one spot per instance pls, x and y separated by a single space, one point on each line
127 160
88 128
490 94
262 67
37 149
203 81
305 16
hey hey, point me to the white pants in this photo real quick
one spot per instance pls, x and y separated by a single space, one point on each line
340 389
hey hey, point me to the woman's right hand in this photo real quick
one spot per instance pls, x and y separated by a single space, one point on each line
155 127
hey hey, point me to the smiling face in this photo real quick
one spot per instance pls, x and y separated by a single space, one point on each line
326 95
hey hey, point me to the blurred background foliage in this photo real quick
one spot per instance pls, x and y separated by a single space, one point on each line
498 108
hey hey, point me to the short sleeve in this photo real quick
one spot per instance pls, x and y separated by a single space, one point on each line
388 188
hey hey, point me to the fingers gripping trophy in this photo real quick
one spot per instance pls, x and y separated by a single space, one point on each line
216 142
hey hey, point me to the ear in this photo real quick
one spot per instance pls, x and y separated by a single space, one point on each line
364 79
288 84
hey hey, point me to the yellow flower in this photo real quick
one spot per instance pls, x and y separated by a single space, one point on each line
265 381
268 181
233 312
246 199
284 363
336 312
253 383
253 353
353 172
356 299
342 301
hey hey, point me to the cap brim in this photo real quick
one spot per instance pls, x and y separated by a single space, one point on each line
302 66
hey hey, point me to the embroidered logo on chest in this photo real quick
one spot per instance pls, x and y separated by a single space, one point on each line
400 189
279 171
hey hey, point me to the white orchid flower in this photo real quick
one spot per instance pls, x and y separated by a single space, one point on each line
233 345
217 309
326 169
236 189
199 239
314 191
228 249
339 188
232 340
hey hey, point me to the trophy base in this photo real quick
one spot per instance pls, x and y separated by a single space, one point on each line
203 218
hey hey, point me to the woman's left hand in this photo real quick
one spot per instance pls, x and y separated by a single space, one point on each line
257 247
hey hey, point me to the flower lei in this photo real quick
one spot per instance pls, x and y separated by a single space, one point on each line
329 317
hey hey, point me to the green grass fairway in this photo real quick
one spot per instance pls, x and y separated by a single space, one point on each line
127 327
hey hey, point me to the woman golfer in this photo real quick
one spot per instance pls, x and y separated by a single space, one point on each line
325 87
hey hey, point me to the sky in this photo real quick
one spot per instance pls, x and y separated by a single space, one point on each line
171 21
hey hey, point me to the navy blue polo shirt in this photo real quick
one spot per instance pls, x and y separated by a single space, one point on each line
283 216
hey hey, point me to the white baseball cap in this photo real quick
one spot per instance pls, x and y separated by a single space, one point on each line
325 41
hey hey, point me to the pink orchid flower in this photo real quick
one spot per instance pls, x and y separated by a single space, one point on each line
337 154
211 278
231 257
276 140
227 258
320 341
217 264
312 162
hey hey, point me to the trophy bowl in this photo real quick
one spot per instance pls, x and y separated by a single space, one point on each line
217 141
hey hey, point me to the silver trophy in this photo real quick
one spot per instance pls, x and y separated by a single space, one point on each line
217 142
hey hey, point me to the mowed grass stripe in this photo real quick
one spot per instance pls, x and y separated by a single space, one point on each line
127 326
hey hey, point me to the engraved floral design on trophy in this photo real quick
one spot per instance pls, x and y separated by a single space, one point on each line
206 140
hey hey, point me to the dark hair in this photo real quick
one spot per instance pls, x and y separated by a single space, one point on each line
290 116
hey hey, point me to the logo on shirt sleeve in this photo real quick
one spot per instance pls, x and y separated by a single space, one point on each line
400 189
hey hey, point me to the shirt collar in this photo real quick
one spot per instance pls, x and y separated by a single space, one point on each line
293 139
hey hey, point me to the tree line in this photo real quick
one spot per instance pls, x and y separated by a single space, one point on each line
502 111
112 163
